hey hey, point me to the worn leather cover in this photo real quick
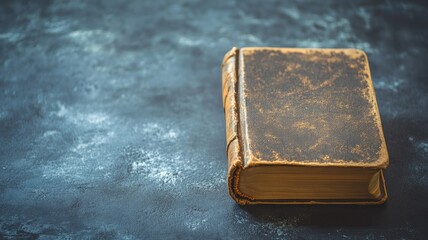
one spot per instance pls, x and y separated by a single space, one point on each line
309 107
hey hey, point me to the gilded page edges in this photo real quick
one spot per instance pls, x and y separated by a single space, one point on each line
378 201
235 163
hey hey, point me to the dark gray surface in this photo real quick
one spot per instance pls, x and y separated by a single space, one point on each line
111 121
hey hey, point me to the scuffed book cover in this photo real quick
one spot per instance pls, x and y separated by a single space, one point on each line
300 107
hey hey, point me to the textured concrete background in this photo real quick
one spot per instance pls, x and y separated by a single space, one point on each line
111 121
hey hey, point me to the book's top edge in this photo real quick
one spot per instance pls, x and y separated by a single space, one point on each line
287 49
380 163
352 52
349 51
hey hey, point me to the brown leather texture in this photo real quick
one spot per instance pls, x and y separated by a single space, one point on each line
311 107
235 163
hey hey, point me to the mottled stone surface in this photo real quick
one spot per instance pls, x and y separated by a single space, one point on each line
111 119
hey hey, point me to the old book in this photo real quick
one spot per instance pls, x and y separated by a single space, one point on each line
302 127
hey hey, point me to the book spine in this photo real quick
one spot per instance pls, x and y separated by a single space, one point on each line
230 106
229 84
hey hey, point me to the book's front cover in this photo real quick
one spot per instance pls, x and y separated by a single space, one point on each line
307 106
